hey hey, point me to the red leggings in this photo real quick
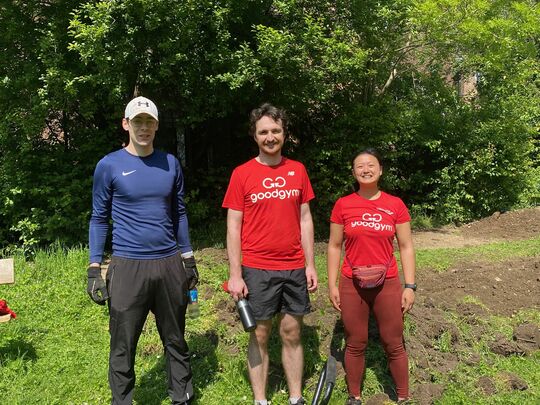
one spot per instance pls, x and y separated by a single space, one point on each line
385 302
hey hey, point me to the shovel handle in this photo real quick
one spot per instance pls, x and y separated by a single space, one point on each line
328 379
320 385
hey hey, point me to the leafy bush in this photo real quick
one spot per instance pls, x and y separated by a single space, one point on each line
383 74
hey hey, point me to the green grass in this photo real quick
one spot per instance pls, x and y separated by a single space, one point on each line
56 351
443 259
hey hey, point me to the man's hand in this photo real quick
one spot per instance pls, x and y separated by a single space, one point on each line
97 289
407 300
237 288
191 271
311 276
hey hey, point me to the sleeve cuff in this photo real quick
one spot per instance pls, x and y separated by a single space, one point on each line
187 255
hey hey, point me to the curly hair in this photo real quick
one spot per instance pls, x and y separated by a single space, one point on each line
268 110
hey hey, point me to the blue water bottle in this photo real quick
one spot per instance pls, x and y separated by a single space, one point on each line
193 304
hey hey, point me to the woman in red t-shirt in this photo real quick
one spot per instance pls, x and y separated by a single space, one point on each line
367 220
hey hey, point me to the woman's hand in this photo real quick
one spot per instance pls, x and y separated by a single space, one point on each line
407 300
333 294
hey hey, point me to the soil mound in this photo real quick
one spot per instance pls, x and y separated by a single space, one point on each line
512 225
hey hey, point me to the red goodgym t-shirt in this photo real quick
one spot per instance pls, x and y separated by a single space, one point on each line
270 198
369 227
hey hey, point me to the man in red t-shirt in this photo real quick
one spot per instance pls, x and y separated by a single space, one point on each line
270 248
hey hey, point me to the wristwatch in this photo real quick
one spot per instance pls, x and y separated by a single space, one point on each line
411 286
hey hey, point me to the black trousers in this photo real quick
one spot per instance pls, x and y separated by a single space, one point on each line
137 287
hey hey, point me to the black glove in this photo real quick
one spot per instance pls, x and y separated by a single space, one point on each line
191 272
97 289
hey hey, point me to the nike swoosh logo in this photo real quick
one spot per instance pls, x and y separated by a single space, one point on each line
128 173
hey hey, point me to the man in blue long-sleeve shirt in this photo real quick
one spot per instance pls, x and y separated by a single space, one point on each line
152 265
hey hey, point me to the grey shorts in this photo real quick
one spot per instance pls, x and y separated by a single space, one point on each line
276 291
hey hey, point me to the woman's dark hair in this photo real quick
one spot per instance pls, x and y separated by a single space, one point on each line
267 110
368 151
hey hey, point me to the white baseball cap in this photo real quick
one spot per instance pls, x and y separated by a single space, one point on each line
140 105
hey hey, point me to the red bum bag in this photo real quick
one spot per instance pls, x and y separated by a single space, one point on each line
371 275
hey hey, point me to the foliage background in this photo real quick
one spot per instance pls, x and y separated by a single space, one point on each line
351 73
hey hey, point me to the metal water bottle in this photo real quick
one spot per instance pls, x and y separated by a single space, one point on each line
193 305
246 315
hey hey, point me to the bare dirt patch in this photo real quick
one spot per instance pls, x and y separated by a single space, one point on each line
512 225
486 385
214 255
494 288
427 393
469 293
513 381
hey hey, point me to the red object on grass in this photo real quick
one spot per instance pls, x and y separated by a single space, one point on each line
4 309
225 286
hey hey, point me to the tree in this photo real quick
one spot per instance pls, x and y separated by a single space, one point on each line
350 73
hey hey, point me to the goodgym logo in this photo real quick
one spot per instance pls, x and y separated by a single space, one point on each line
372 221
278 182
375 217
275 190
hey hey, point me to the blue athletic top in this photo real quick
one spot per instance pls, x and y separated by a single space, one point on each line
145 198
